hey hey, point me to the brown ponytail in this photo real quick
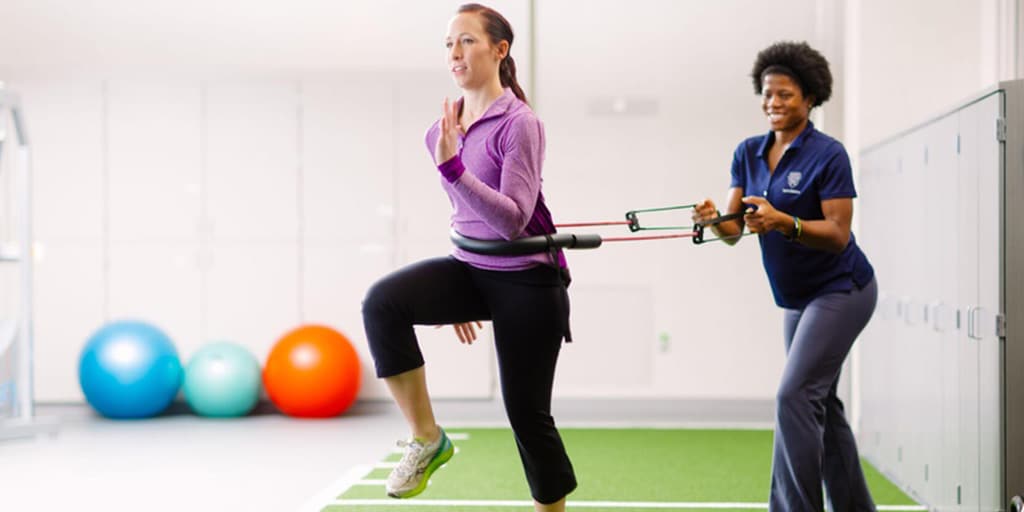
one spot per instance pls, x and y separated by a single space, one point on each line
499 29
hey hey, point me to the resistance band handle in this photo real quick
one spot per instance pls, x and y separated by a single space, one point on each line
720 219
526 245
634 222
698 227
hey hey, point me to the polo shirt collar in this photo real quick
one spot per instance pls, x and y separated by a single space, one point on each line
799 141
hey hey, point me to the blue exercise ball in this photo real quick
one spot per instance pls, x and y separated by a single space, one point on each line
222 380
129 369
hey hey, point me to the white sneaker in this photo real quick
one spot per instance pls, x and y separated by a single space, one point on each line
419 461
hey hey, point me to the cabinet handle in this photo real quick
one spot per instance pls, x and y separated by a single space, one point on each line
978 324
935 316
911 310
972 322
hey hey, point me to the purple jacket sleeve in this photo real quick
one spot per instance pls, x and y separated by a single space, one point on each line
509 209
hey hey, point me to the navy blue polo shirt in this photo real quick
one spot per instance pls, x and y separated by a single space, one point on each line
814 168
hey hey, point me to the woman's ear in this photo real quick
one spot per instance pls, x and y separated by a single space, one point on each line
502 49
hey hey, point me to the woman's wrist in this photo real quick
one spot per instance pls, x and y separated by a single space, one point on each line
715 227
790 227
452 168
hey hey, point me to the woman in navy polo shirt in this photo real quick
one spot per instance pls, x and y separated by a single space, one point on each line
796 187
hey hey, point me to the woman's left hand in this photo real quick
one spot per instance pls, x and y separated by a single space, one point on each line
465 331
765 217
448 140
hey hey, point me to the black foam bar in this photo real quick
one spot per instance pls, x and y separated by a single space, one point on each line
527 245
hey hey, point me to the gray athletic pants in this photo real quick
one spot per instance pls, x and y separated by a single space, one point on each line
813 441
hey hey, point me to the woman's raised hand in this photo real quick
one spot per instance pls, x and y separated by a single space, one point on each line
448 140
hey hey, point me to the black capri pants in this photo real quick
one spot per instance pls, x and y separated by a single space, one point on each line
529 310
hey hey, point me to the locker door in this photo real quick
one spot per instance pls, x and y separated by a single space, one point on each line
904 277
939 427
888 275
967 292
989 306
867 208
943 241
915 408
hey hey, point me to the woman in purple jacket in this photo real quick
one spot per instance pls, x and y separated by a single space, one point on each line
489 148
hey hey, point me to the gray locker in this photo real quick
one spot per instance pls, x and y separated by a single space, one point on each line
942 408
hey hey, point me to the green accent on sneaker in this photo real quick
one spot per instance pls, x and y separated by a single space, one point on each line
443 454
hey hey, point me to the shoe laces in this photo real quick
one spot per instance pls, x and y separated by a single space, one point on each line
411 458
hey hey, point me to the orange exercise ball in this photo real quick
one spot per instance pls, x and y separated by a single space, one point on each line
312 372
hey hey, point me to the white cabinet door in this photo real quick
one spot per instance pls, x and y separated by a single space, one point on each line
896 277
65 122
348 160
154 168
869 343
875 343
943 244
913 409
967 269
989 162
251 160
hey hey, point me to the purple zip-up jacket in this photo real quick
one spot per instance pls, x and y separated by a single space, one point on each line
498 197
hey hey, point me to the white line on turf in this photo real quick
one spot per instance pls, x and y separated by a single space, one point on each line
584 504
331 492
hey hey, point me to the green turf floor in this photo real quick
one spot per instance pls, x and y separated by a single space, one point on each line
612 465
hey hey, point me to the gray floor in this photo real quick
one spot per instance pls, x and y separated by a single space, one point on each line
264 462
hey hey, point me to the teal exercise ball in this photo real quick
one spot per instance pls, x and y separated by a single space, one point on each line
129 369
222 380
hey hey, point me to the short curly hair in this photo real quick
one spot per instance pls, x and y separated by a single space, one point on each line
799 61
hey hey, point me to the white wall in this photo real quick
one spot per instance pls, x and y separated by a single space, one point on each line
225 37
201 164
913 59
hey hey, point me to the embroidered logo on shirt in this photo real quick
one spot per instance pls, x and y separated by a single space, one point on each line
792 179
